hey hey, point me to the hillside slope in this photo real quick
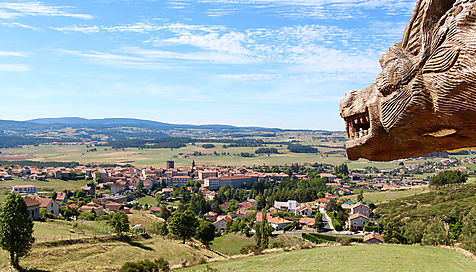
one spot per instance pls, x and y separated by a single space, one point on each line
351 258
433 204
107 255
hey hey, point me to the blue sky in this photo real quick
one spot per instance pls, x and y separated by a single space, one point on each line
272 63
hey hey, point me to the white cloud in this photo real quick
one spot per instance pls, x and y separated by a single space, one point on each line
16 24
323 9
75 28
248 77
101 55
9 10
150 58
12 54
14 68
231 42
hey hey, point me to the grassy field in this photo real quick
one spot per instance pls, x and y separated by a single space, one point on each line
107 255
53 230
157 157
351 258
50 185
144 219
382 196
149 200
231 244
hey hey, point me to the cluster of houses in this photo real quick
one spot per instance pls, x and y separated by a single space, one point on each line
35 202
278 223
120 181
359 215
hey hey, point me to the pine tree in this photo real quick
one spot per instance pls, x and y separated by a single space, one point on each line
16 228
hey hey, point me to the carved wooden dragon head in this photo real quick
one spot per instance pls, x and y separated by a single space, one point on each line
424 100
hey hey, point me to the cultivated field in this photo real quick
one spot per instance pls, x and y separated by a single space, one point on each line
352 258
382 196
48 186
158 156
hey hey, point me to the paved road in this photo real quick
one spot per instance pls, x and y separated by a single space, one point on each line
327 221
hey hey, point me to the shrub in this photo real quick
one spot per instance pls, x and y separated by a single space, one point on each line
343 241
277 244
208 146
413 231
159 265
265 150
337 225
251 249
435 234
210 269
323 238
87 216
468 235
298 148
159 228
102 217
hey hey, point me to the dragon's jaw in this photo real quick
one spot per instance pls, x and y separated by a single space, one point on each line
424 100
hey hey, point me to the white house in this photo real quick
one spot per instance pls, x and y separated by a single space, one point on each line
290 205
24 189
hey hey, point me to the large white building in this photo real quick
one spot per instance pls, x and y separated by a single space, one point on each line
233 181
290 205
24 189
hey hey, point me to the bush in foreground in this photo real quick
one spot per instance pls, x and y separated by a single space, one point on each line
159 265
343 241
256 250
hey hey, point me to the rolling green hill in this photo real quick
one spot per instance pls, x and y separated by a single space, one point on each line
351 258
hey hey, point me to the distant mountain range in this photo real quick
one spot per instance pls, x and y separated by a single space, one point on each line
75 129
114 122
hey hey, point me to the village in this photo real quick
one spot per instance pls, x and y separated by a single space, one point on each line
114 189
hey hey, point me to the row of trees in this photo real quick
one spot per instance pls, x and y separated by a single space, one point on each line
449 177
435 232
299 148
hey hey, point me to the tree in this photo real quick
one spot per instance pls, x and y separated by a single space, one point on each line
205 232
360 196
140 186
183 225
120 222
342 169
468 234
79 193
413 231
435 234
318 223
160 228
69 212
43 213
97 177
164 212
331 205
447 178
263 231
16 228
